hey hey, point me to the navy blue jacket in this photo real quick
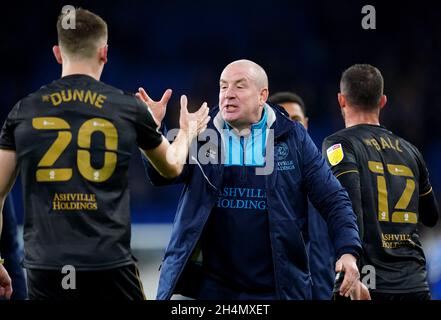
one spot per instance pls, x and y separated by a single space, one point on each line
321 256
287 192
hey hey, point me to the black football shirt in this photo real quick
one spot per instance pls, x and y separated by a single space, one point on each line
74 139
393 176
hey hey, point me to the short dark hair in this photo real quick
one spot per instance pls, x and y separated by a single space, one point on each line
288 97
83 39
362 85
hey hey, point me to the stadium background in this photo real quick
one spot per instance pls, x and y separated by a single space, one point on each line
184 45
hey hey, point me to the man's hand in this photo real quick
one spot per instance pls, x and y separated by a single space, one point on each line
361 292
348 264
169 159
5 283
157 108
193 123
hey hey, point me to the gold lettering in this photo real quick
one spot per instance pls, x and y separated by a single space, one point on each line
397 145
390 143
386 244
384 144
90 96
69 96
56 99
375 144
74 201
78 95
99 101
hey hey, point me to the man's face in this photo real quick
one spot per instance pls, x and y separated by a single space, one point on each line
295 113
240 100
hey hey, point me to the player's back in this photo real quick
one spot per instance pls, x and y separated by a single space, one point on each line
74 139
392 177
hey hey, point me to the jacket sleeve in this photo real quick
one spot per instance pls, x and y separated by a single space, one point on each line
330 198
340 157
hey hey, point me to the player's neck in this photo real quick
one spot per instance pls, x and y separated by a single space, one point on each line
70 68
353 118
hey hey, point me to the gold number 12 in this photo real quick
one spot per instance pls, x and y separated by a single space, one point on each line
406 196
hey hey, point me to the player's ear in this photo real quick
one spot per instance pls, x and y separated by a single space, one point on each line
383 101
306 122
57 53
103 53
341 100
263 95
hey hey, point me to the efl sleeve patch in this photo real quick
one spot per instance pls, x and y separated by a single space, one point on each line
335 154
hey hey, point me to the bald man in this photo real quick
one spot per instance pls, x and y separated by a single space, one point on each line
241 220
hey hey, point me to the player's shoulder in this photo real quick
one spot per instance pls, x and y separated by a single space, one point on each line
341 136
120 96
356 134
409 147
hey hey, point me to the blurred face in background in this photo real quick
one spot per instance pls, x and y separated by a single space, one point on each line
295 112
242 95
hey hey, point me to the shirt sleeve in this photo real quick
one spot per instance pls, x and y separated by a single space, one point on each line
7 137
330 199
424 182
428 208
339 155
148 135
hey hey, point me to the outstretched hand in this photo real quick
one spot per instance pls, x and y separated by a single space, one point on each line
193 123
157 108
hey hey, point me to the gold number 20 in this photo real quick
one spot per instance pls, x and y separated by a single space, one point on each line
383 207
47 174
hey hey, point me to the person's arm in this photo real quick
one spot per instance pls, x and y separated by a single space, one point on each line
333 203
345 169
8 174
351 182
157 108
169 159
428 210
157 180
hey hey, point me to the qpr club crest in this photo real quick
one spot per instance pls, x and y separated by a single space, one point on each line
281 151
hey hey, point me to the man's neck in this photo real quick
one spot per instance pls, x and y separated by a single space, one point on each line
245 129
353 118
81 67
